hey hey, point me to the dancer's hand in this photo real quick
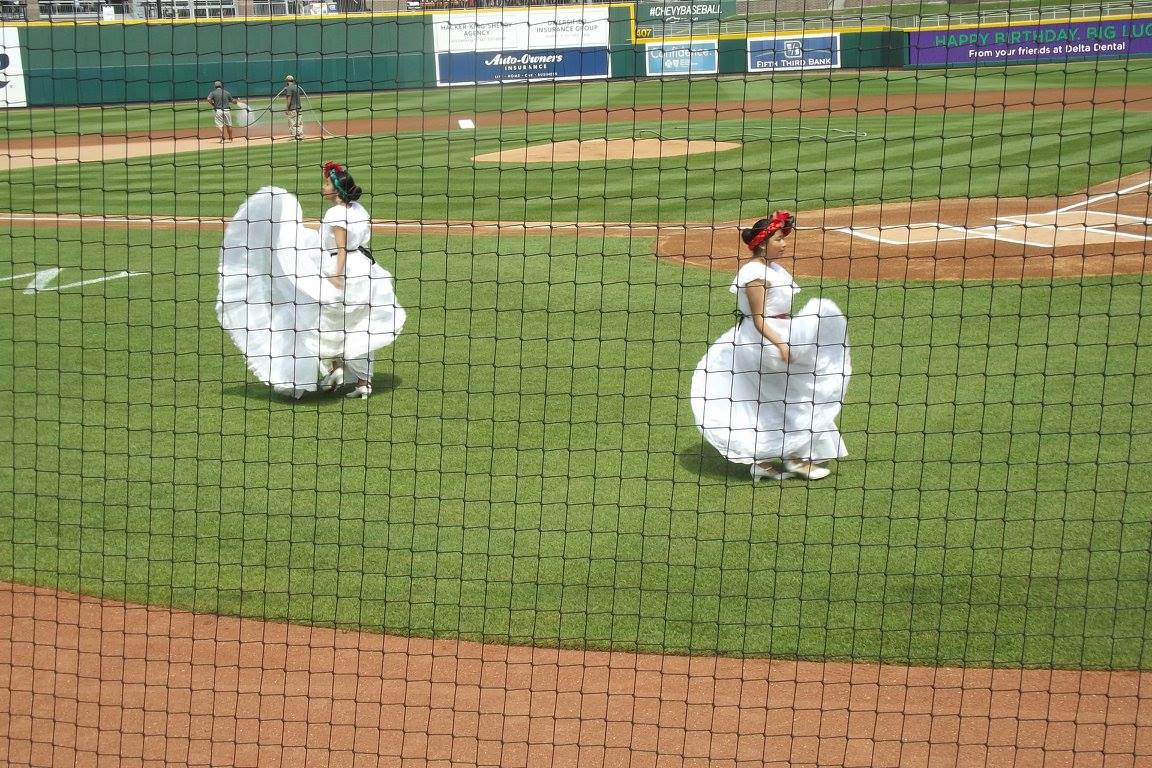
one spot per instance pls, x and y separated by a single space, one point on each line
783 348
338 281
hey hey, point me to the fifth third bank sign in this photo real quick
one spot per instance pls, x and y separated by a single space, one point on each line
776 54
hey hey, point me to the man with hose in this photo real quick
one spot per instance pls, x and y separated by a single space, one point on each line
292 107
221 102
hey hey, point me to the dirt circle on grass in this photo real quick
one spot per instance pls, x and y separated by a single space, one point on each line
593 150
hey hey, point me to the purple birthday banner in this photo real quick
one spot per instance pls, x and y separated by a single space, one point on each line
1031 43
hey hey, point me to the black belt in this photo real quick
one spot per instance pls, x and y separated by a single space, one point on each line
744 317
363 249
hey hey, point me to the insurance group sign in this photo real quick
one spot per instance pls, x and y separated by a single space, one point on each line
778 54
501 46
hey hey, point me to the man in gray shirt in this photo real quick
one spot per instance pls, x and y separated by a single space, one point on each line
221 100
292 107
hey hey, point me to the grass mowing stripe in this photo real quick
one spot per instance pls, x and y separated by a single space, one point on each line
538 478
24 123
435 177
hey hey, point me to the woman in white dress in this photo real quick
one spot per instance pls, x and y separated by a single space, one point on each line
768 392
304 306
363 314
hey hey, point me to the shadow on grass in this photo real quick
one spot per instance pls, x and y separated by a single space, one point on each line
257 392
701 459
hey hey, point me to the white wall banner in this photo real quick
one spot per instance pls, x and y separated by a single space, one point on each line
791 52
544 28
12 90
698 57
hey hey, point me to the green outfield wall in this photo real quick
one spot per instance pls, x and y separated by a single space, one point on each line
109 63
133 62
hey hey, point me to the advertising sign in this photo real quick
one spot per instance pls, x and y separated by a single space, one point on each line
698 57
520 30
521 66
653 15
1058 41
777 54
500 46
12 87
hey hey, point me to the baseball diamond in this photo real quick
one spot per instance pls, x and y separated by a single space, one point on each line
516 549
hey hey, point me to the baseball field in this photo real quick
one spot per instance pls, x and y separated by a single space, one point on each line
528 473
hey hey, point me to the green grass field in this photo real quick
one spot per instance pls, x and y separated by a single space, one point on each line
592 96
528 470
815 163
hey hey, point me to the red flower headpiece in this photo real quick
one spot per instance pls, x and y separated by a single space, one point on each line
781 221
332 171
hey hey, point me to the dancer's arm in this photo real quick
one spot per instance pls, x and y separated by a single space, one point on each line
757 292
340 235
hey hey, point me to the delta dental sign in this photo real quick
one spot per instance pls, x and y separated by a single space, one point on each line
1059 41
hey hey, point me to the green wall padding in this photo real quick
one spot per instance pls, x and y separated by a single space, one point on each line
109 63
177 61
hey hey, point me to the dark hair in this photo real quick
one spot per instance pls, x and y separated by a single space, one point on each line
748 233
756 235
345 185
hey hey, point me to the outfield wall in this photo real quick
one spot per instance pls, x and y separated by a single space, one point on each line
147 62
110 63
116 62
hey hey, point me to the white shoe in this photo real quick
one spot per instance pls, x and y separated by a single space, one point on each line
361 392
807 469
332 381
768 473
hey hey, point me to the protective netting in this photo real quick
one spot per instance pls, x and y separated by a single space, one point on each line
639 384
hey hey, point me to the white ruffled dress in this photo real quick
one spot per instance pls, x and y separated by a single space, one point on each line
277 305
751 406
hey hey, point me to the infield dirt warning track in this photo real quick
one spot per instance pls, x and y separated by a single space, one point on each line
90 682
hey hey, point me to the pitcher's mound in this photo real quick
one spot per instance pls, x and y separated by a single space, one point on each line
605 149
